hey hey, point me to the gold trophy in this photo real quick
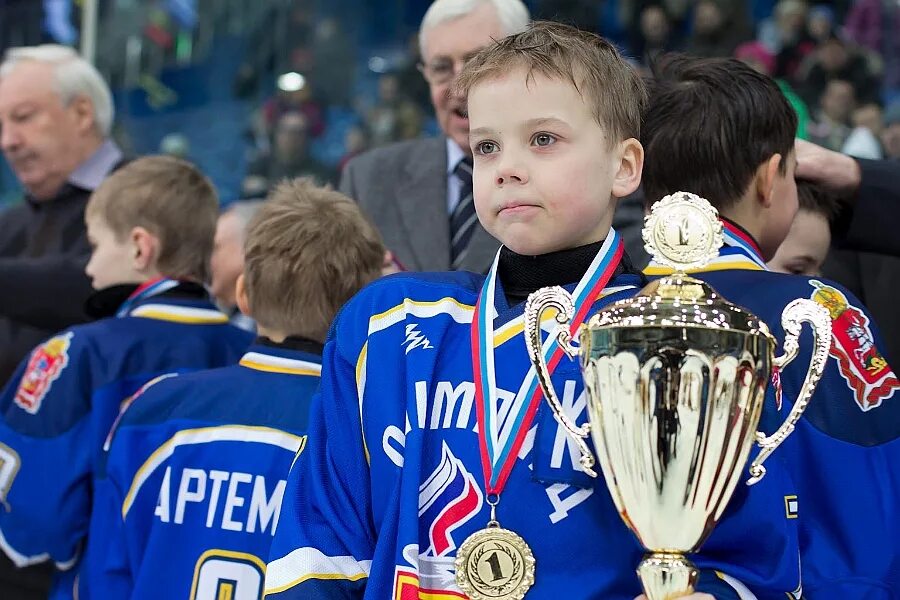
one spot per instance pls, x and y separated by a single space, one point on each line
676 378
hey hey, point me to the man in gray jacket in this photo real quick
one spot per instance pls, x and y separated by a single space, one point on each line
419 192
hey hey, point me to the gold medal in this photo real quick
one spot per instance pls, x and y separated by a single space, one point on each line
494 564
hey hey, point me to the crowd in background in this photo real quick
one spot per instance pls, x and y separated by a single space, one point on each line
322 85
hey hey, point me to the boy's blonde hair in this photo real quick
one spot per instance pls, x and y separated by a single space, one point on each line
308 250
171 199
613 90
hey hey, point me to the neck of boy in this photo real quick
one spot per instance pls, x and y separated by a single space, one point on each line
291 342
748 217
521 275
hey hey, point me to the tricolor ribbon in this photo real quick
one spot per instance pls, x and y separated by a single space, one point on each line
147 289
501 436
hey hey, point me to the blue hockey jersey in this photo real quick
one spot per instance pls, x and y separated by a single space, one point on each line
844 453
195 479
390 483
59 407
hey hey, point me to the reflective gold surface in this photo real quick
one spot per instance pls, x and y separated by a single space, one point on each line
675 378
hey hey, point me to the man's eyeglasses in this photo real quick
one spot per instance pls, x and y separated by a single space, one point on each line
443 70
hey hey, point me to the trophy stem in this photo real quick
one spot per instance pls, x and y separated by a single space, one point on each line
666 576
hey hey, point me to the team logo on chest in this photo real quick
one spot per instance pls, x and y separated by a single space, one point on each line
44 367
861 363
448 498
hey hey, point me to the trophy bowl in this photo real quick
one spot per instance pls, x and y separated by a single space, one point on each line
676 378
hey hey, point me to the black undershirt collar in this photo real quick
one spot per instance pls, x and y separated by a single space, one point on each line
106 302
521 275
293 342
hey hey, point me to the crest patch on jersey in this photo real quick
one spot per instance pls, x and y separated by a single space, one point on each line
44 367
861 363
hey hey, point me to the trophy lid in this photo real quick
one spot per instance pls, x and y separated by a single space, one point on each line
683 232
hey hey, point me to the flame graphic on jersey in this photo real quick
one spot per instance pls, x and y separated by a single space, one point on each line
861 363
449 497
415 339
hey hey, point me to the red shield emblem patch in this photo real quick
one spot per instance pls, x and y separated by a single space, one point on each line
861 363
44 366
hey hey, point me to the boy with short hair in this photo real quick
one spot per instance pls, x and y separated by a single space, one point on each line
197 466
717 128
806 246
151 227
427 428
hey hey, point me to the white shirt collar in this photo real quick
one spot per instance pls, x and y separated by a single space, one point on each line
454 155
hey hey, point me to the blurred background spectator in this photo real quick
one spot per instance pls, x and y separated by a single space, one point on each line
219 75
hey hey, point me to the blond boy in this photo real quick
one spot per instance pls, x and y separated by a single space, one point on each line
198 465
427 431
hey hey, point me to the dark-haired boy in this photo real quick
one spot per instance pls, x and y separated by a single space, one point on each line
717 128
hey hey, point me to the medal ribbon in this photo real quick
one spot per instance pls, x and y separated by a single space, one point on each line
737 238
500 442
738 252
147 289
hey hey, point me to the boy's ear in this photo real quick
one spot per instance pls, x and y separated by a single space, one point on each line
766 175
240 295
146 249
631 165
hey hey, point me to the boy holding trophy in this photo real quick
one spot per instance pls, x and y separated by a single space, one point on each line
433 469
719 129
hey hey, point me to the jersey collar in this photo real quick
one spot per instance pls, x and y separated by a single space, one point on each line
739 252
280 359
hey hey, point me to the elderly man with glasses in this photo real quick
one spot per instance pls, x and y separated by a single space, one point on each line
419 192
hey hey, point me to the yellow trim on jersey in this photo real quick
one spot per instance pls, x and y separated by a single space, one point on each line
180 314
421 303
361 363
517 325
327 576
257 366
202 435
722 266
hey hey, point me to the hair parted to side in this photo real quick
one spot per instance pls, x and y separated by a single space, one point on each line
308 250
710 124
513 15
73 75
816 199
171 199
608 84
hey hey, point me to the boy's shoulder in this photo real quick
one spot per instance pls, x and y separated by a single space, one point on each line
393 292
233 395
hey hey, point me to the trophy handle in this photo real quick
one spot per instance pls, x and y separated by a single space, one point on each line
796 313
538 302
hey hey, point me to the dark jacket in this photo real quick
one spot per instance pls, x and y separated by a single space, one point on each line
43 287
870 224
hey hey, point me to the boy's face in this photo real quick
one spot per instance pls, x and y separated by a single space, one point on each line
784 207
544 173
806 246
112 260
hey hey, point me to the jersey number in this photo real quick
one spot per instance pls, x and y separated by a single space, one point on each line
9 468
226 575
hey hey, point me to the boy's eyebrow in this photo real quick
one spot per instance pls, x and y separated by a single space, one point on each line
537 122
480 131
529 124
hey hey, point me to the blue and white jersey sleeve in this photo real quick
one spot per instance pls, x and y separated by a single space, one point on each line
45 454
324 544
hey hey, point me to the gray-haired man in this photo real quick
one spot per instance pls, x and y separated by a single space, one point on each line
418 193
56 113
